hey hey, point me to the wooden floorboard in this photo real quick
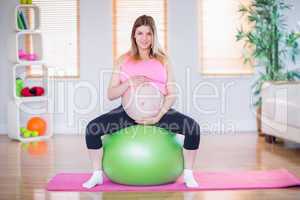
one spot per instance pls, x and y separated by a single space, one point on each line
25 169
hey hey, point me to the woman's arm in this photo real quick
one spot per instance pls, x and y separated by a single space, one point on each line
116 88
170 98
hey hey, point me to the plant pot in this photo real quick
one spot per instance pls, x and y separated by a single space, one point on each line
270 139
258 121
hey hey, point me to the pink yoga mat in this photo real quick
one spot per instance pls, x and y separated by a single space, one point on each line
279 178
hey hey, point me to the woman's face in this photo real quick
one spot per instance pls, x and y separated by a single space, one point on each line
143 37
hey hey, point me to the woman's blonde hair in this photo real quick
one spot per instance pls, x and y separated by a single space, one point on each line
155 50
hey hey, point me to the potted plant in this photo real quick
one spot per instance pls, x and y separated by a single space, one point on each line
268 44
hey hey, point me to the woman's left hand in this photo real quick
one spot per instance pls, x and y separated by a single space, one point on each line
148 121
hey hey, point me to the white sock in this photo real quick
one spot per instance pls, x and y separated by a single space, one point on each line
189 179
94 180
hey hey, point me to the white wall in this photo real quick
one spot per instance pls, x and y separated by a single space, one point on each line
77 101
5 7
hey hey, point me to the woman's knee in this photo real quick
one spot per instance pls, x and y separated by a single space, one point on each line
94 128
93 135
191 127
192 134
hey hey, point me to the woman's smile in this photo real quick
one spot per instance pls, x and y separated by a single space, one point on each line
144 37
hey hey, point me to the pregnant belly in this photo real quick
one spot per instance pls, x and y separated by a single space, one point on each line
144 101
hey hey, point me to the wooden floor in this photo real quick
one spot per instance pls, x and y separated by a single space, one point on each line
25 169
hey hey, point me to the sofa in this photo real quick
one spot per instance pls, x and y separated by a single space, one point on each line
280 115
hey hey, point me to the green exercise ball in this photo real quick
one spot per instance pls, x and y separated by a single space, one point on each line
142 155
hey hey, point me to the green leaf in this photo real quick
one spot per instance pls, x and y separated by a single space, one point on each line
258 103
240 34
293 75
243 9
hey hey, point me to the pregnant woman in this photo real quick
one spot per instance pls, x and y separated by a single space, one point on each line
143 79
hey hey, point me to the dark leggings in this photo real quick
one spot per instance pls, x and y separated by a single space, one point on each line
117 119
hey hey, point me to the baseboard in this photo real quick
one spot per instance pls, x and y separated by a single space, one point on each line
60 130
63 130
246 126
221 127
239 126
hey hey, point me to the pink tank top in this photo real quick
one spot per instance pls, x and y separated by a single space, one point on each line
152 69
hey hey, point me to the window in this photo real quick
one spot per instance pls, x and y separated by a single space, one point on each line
124 14
60 31
220 54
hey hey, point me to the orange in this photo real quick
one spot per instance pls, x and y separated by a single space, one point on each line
37 124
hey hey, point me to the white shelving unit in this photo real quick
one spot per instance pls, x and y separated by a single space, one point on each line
21 109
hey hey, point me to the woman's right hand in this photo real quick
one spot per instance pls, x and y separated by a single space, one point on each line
135 81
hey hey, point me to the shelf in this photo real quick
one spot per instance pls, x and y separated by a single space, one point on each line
20 114
21 71
27 6
24 62
31 99
29 46
34 139
31 13
28 32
